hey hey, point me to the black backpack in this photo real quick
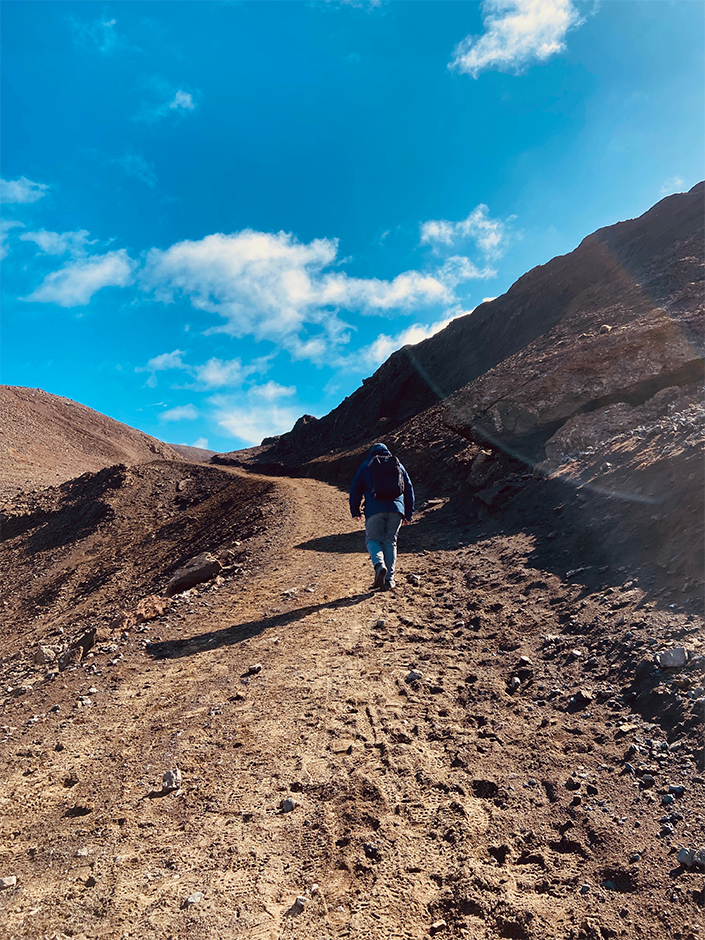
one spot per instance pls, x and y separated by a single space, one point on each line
386 477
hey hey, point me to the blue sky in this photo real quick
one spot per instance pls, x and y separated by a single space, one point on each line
218 216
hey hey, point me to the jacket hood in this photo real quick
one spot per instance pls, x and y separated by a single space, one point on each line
378 449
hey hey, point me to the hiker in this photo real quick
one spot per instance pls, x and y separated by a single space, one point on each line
389 502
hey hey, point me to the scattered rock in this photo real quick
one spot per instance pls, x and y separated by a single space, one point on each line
436 927
253 670
8 882
414 675
149 608
288 805
673 658
70 657
171 780
414 579
605 328
691 857
43 654
573 655
194 898
202 568
372 851
300 901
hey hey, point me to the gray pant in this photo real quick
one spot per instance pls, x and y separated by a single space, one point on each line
381 532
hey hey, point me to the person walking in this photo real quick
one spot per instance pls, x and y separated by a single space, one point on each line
389 502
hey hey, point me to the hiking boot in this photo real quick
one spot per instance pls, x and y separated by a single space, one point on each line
390 584
380 575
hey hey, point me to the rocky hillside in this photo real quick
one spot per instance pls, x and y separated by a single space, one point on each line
46 439
641 279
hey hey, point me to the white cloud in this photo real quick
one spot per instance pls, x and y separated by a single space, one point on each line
373 355
202 442
21 190
251 423
490 235
172 360
100 35
75 284
182 99
5 226
258 414
180 413
169 100
221 373
517 33
674 185
271 286
215 373
58 243
271 391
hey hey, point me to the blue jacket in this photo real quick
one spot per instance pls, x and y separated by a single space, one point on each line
362 486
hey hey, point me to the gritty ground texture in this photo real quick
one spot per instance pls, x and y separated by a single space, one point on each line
492 796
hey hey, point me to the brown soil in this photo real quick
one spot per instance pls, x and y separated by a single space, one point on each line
449 806
46 439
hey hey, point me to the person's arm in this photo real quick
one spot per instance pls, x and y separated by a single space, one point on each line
357 491
408 497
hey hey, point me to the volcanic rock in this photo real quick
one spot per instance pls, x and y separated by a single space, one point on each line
202 568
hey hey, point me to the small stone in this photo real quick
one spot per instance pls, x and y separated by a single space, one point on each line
253 670
371 851
668 799
288 805
8 882
81 853
584 697
634 858
667 830
585 889
677 789
573 655
605 328
686 857
193 898
437 926
414 579
44 655
673 658
92 690
301 901
648 781
314 888
171 780
515 683
414 675
381 623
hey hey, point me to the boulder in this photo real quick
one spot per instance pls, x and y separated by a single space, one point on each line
202 568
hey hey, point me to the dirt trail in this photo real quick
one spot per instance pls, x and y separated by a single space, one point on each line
435 807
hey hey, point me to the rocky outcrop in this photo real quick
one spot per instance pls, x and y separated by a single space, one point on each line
522 403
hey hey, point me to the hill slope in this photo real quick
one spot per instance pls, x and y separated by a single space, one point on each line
46 439
627 272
